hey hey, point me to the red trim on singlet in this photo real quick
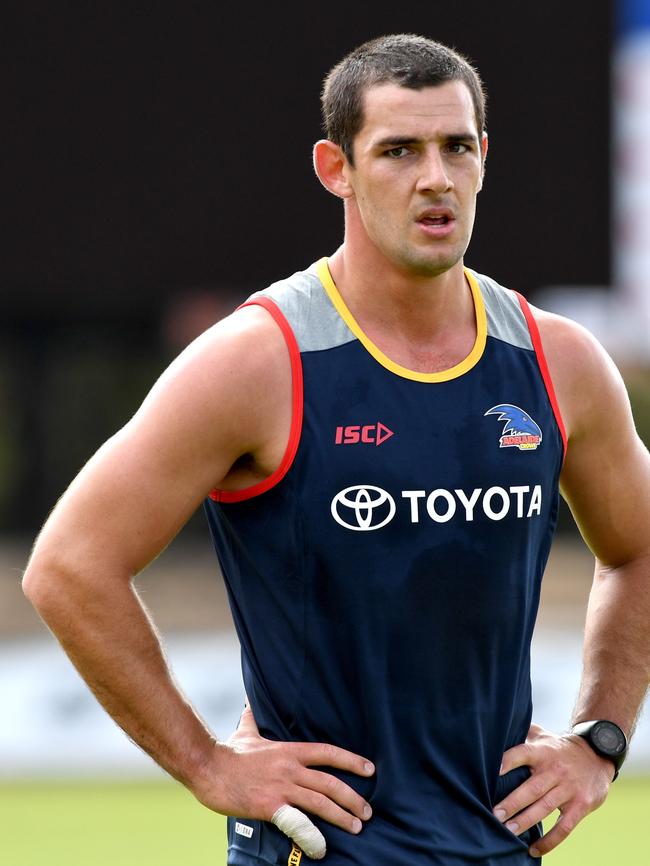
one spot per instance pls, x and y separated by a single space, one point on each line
296 411
543 366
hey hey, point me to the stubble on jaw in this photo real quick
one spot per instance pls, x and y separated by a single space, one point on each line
427 264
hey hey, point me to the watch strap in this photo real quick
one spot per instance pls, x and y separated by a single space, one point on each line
617 756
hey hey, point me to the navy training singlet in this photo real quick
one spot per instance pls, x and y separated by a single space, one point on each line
384 581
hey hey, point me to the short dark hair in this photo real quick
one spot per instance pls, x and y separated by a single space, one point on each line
402 58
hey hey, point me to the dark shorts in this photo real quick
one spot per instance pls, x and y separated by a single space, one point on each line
258 843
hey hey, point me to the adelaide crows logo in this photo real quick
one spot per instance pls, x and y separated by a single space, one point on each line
520 431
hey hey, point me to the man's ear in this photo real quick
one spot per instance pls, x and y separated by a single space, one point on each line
332 168
484 150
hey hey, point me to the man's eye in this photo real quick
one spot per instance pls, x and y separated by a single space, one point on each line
397 152
457 147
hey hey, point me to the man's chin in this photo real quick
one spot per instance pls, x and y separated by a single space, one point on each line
433 266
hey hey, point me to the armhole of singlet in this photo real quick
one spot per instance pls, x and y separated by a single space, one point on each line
219 495
543 367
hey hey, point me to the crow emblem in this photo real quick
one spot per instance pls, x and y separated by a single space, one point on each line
519 430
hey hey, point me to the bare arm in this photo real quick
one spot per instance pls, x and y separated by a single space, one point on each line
606 482
219 401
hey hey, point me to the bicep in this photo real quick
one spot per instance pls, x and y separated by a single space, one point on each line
145 482
606 476
125 505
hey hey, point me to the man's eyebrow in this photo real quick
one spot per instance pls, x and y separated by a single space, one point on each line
403 140
397 141
463 136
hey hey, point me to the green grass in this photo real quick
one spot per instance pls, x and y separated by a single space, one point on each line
160 824
111 824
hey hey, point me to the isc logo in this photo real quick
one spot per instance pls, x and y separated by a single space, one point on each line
368 434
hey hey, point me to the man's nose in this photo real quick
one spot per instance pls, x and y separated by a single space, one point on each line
434 176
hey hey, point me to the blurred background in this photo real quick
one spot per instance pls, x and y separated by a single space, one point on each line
157 170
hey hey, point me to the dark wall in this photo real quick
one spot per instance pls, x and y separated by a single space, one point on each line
158 149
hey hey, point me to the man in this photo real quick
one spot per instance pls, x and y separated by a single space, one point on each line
379 441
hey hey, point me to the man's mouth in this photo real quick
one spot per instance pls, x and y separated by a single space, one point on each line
435 220
436 217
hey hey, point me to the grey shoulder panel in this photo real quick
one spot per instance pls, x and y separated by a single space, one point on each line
306 306
317 325
505 318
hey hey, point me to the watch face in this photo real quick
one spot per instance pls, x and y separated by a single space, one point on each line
608 737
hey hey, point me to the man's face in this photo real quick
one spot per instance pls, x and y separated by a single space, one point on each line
418 165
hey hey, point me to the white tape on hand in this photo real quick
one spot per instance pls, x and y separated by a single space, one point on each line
297 826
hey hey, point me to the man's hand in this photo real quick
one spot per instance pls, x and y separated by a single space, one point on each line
566 774
256 778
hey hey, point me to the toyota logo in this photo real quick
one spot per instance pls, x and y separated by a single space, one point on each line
369 507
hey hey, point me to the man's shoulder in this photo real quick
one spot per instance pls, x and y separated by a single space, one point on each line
504 315
306 302
293 291
558 333
245 347
300 284
567 339
251 342
580 367
254 319
588 383
487 281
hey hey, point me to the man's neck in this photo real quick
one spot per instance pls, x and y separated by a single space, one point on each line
424 323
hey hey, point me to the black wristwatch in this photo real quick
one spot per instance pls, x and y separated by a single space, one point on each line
606 739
